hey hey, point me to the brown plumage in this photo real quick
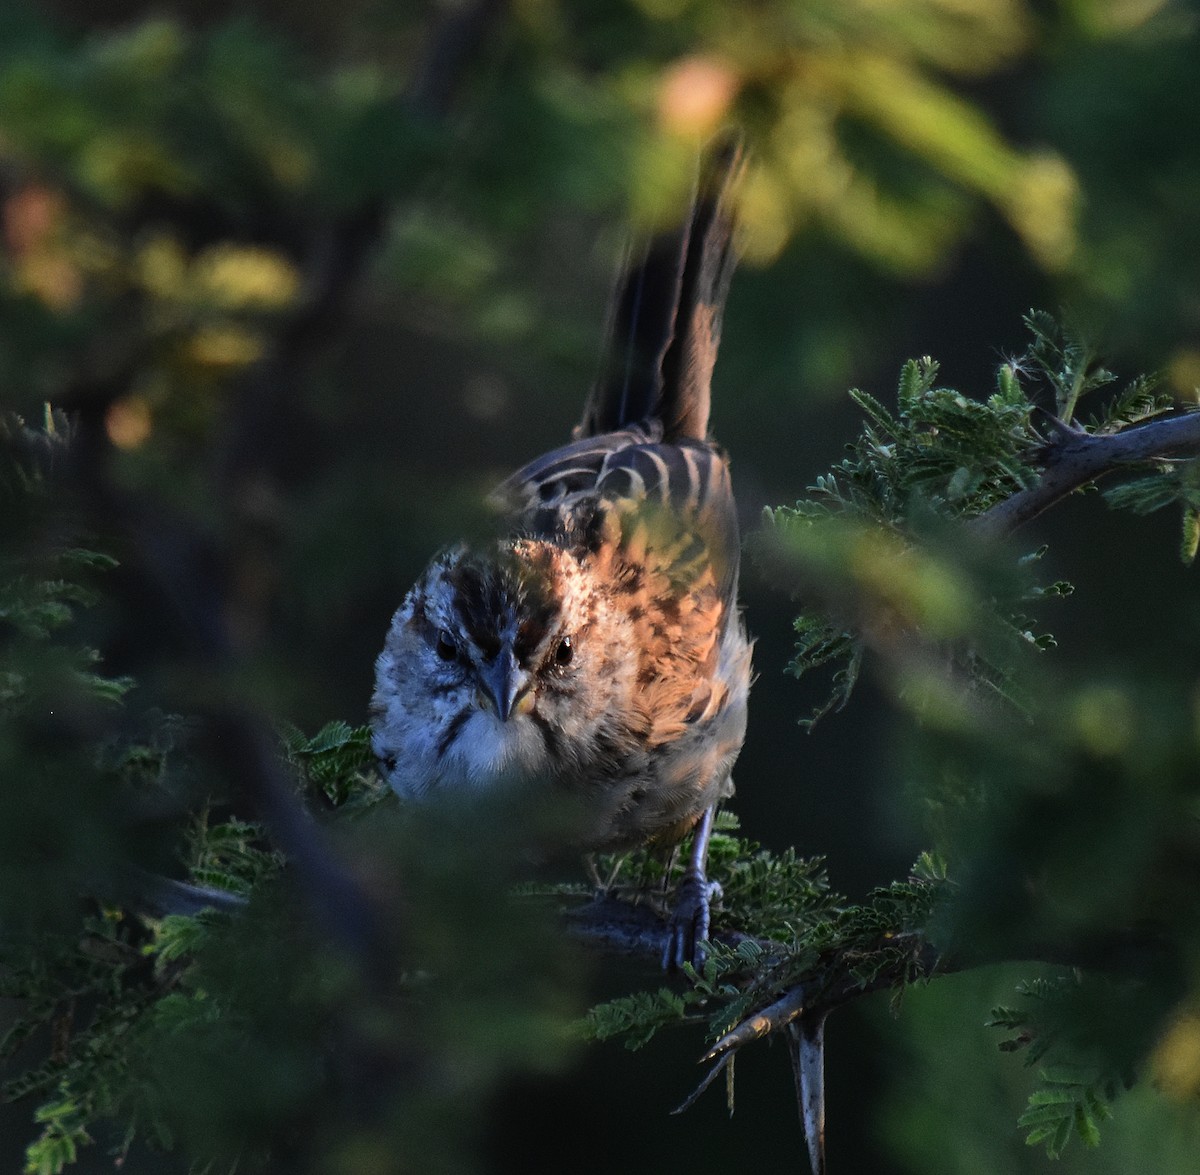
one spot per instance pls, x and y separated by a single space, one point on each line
599 651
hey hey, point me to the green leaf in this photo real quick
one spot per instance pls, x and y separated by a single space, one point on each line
1189 541
1085 1127
874 410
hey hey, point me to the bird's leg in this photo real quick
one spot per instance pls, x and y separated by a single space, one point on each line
693 900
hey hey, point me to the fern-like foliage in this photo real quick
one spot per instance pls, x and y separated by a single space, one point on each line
885 568
804 934
636 1018
1075 1083
29 452
1069 1101
765 895
336 766
1176 484
878 544
1066 360
101 980
43 590
941 448
109 992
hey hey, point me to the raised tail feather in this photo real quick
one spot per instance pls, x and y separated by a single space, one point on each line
666 318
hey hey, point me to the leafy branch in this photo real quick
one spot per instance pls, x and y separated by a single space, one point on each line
786 949
880 556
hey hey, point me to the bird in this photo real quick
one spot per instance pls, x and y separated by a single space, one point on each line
596 649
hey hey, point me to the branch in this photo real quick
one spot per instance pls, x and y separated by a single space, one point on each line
837 977
611 926
1074 458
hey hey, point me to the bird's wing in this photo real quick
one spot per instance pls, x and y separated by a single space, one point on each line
684 485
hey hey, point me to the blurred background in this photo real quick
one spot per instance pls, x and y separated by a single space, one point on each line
320 275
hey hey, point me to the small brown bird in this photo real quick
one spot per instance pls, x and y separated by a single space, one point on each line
598 649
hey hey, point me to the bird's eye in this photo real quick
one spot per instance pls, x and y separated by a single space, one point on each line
446 648
565 652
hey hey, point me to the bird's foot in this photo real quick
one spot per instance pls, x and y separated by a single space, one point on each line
690 921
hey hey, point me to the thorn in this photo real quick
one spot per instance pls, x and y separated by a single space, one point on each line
1063 431
806 1049
709 1078
783 1011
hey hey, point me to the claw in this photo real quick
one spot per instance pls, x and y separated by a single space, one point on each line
690 922
693 904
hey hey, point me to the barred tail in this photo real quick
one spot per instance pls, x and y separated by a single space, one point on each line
666 317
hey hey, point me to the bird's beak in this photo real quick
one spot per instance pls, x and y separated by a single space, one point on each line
505 686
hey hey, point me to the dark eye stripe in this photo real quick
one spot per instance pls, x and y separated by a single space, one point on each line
549 735
451 731
529 635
